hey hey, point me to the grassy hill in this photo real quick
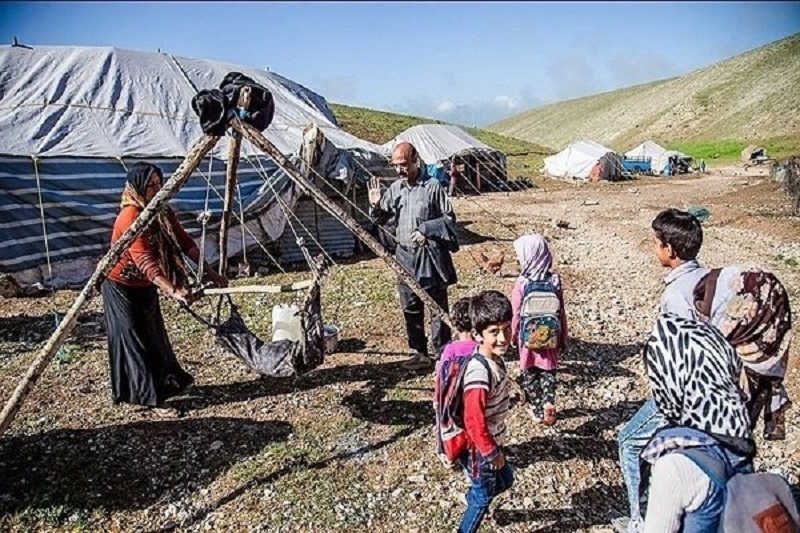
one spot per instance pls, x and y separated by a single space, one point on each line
525 158
752 98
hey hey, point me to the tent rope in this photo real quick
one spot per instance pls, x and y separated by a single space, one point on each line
56 316
121 162
203 218
44 221
285 208
244 226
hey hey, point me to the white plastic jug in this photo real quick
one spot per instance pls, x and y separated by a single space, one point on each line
286 323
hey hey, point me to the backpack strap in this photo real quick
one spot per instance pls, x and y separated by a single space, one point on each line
715 468
704 292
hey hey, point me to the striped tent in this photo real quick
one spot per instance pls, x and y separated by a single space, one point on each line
72 119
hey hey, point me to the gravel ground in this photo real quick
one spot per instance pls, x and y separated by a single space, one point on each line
349 447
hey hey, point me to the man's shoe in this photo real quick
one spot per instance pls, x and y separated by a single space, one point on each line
419 362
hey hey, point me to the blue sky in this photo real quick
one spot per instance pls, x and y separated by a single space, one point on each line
471 63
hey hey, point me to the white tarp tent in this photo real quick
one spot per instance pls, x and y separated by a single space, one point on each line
437 142
73 118
659 156
63 101
579 159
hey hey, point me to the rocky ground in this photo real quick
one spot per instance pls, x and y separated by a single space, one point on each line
350 447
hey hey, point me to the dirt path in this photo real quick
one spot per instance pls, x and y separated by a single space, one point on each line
349 448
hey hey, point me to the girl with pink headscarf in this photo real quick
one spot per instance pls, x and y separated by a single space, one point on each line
538 366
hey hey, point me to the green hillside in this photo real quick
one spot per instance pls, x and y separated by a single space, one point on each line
753 98
525 158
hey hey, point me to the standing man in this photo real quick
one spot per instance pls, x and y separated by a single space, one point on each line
426 236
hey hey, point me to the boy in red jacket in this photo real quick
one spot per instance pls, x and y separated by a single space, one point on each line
486 403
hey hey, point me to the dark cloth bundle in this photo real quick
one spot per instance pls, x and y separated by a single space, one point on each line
215 107
282 358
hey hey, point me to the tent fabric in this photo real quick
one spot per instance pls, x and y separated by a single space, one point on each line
73 118
438 142
110 102
583 159
751 152
80 200
659 156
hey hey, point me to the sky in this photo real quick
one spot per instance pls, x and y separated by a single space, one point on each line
470 63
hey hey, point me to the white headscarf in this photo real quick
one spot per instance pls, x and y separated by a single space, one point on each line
535 259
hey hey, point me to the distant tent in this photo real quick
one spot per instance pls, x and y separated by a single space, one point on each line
659 155
656 153
73 118
584 160
752 152
441 145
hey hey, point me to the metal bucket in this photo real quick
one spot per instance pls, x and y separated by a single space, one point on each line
331 334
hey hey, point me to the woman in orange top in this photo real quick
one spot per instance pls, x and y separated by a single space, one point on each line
144 369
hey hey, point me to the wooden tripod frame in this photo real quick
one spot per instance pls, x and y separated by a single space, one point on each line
190 163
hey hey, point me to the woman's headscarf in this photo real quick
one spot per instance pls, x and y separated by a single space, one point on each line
751 309
139 176
534 256
694 374
161 233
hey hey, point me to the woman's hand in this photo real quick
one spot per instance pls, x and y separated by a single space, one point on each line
182 295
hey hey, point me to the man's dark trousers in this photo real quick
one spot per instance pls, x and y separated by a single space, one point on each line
414 313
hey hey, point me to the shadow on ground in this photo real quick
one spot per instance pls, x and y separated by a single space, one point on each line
204 396
37 329
588 508
125 467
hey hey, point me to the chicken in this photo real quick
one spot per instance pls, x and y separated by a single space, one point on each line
493 263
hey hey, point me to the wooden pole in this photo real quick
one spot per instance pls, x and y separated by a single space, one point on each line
234 150
261 289
255 136
234 147
145 218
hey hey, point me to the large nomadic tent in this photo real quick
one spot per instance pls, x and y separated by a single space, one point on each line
440 145
584 160
72 119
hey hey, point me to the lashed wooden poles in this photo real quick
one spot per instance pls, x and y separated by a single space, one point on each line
234 149
255 136
145 218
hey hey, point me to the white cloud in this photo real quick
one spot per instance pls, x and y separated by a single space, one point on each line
475 113
446 107
507 102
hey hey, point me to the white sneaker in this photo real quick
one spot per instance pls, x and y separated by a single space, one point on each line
625 524
418 362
